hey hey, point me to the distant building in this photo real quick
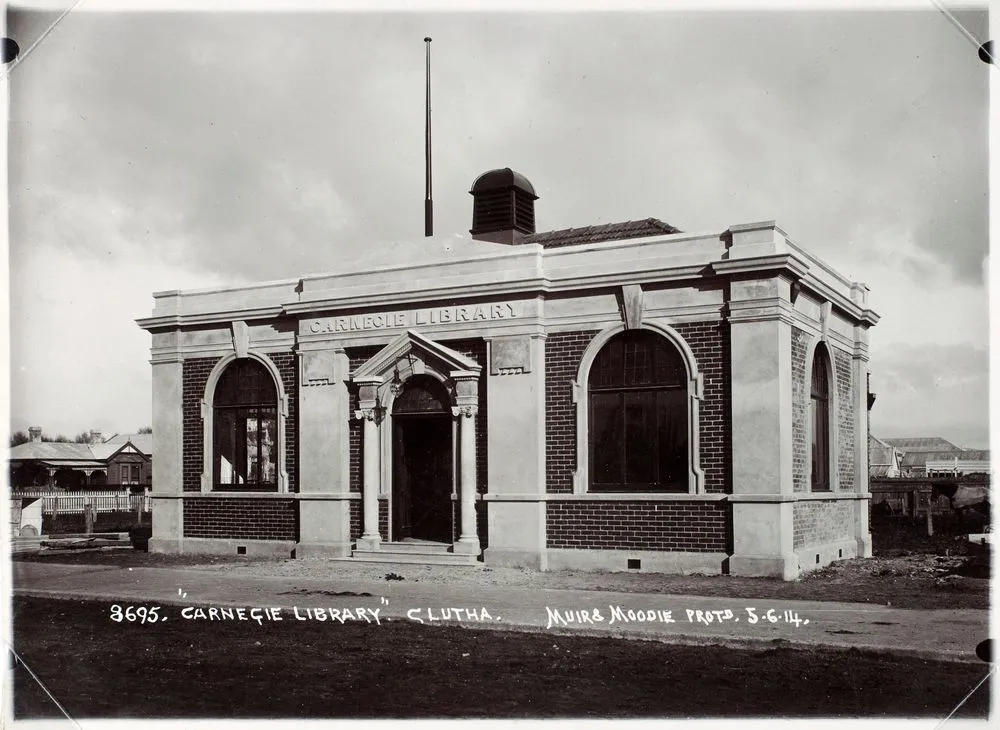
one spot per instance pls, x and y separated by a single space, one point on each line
884 459
122 460
935 456
621 396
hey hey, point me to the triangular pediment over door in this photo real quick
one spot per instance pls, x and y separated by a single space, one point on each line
414 354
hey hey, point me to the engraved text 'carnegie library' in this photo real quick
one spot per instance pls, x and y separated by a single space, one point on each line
436 315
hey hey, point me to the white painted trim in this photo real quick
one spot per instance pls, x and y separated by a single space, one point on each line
208 421
581 477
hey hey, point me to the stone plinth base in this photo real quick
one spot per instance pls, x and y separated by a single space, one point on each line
512 558
208 546
323 550
650 561
785 567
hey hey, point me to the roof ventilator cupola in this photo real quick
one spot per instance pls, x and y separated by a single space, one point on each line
503 208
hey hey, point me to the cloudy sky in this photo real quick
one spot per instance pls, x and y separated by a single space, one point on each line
160 150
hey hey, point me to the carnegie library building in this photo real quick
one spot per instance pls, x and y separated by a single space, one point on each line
618 397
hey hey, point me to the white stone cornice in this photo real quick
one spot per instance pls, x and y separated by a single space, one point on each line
783 262
166 358
762 310
223 317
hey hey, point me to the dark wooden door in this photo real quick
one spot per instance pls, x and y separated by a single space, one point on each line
422 478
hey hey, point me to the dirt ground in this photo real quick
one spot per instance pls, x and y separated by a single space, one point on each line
183 669
908 570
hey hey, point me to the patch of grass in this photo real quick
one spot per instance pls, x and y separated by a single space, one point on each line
293 669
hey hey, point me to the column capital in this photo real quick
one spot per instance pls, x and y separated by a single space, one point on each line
373 414
465 410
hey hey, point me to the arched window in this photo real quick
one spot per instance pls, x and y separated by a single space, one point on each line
245 428
638 415
820 403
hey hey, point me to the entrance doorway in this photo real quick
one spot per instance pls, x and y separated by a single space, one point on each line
422 462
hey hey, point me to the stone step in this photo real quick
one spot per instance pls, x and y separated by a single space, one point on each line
412 558
417 546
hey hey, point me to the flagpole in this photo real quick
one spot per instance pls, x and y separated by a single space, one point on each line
428 200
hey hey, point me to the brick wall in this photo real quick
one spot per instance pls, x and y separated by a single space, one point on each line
287 365
195 375
709 341
563 351
845 421
356 358
241 518
816 523
357 513
801 385
687 526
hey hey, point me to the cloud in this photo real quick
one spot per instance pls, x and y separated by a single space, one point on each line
78 359
932 390
239 146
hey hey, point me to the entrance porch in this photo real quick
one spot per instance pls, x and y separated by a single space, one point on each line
417 402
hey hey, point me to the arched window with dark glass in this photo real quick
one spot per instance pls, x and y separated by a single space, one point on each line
820 406
638 415
245 429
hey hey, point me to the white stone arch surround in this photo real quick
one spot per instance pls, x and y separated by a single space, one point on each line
208 420
387 400
410 354
832 399
695 392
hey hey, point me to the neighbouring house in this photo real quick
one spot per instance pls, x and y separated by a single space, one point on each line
624 396
884 459
122 460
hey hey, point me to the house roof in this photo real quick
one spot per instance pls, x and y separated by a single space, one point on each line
604 232
142 441
44 450
879 452
923 443
879 470
73 454
920 458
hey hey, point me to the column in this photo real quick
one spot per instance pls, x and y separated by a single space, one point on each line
515 390
168 427
762 440
859 365
469 537
467 397
369 414
324 466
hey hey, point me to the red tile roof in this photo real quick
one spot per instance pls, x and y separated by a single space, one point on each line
604 232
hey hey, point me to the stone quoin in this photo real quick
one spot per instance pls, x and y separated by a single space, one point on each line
620 397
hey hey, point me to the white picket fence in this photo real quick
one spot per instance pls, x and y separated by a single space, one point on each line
75 502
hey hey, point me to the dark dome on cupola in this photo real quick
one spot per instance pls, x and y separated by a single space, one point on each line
503 208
